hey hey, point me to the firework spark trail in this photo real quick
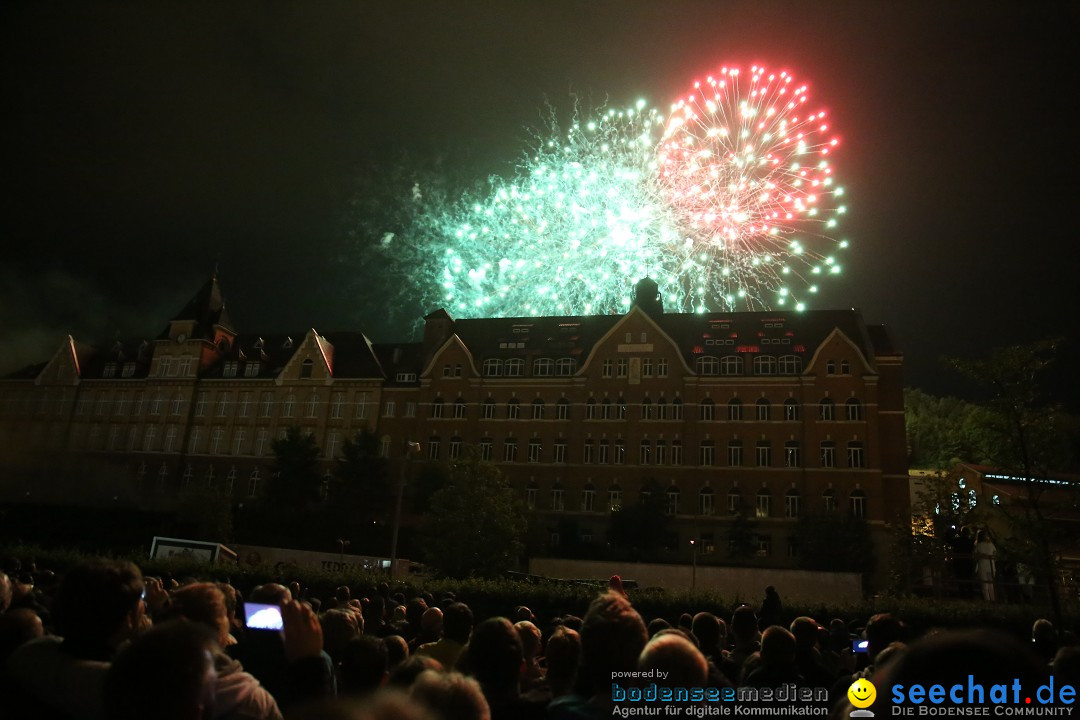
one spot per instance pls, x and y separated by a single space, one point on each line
725 203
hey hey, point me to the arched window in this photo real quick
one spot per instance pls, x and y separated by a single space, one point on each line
590 409
791 504
764 503
827 409
459 408
676 409
537 409
605 409
707 501
853 408
672 501
734 409
646 409
562 409
493 367
708 365
661 409
790 365
489 409
515 367
791 409
707 410
312 405
565 367
437 407
856 455
828 501
731 365
306 368
513 409
857 504
543 367
620 408
764 365
762 408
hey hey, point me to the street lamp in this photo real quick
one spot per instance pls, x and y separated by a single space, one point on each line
411 448
693 564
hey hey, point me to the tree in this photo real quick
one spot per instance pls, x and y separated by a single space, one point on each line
202 514
295 482
640 529
944 431
741 544
1025 420
360 495
475 523
834 542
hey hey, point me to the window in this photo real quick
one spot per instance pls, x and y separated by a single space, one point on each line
562 409
661 452
223 404
455 448
606 368
827 409
707 500
447 371
791 410
388 409
410 409
672 502
230 369
543 367
336 405
731 365
245 404
644 452
853 409
764 453
646 367
590 409
661 409
163 477
193 440
605 409
493 367
621 367
155 404
120 406
707 453
734 409
254 481
109 371
305 369
557 499
128 370
764 365
515 367
170 439
646 409
603 452
488 409
313 405
676 409
620 408
615 498
513 409
707 410
510 450
148 439
845 368
486 445
661 367
434 447
734 502
790 365
437 408
792 456
734 453
530 498
405 377
830 367
361 405
676 452
587 452
238 442
260 443
708 365
761 409
251 369
384 446
565 367
459 408
857 501
764 546
620 451
764 503
791 504
588 498
537 409
535 449
828 501
560 451
828 454
102 402
856 458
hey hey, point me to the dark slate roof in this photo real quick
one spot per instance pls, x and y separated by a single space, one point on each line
569 336
354 356
882 339
26 373
93 359
271 351
397 358
207 309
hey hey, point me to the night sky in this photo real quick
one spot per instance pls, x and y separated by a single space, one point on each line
142 145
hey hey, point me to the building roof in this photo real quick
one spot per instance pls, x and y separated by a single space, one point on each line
207 309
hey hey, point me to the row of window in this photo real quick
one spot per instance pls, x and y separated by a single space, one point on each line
246 404
200 441
659 452
706 506
209 479
608 409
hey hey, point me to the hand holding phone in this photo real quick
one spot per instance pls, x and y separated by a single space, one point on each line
860 646
262 616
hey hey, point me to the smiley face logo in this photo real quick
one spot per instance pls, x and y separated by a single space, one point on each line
862 693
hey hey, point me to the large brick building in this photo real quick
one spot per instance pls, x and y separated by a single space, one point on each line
778 413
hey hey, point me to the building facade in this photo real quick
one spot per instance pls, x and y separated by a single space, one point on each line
771 414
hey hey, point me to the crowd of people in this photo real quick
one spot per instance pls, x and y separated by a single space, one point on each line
103 642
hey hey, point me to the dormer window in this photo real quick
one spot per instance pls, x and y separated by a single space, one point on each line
404 377
305 369
287 344
230 368
251 369
109 371
259 344
129 370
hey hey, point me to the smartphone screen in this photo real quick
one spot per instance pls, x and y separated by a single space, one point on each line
261 616
859 646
